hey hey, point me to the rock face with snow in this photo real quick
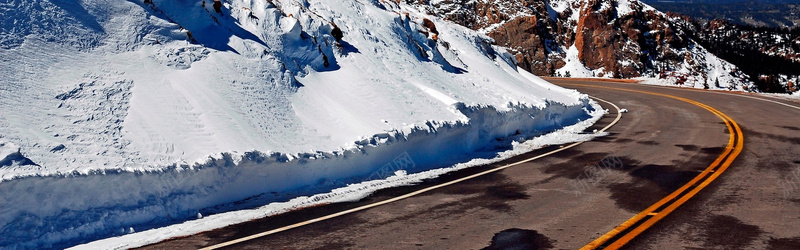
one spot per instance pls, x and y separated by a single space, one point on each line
771 56
119 116
609 38
622 43
530 29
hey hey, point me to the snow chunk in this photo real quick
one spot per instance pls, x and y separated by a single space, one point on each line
7 149
10 155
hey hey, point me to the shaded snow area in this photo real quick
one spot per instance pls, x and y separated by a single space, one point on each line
122 116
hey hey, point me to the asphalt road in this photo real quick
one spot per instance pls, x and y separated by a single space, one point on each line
566 200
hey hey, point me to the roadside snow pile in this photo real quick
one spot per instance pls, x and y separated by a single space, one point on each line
393 173
124 115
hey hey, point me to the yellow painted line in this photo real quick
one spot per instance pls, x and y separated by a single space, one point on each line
405 196
647 218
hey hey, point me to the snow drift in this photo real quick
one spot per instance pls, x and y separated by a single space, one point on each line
124 114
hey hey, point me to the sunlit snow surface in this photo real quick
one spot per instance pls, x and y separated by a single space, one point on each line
120 121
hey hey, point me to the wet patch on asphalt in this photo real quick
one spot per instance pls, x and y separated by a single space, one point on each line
728 232
715 151
688 147
623 140
666 177
573 167
496 197
635 196
706 156
519 239
790 128
784 168
652 183
781 138
612 138
507 192
494 192
784 243
578 165
652 143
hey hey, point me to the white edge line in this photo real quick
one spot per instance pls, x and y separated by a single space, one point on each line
353 210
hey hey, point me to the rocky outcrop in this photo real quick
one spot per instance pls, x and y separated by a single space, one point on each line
523 26
623 45
614 38
477 14
527 40
770 56
596 41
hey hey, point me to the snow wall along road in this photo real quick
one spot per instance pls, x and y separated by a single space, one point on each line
42 210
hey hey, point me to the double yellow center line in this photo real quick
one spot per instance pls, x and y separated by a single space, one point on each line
631 228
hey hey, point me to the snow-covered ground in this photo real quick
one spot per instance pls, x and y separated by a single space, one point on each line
120 116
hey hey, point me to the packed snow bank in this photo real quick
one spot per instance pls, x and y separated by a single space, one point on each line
392 174
232 180
136 115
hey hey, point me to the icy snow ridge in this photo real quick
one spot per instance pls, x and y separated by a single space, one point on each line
179 192
175 110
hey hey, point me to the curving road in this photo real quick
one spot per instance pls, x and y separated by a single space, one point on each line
577 195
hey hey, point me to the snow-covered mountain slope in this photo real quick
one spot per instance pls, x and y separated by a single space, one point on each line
593 38
124 114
